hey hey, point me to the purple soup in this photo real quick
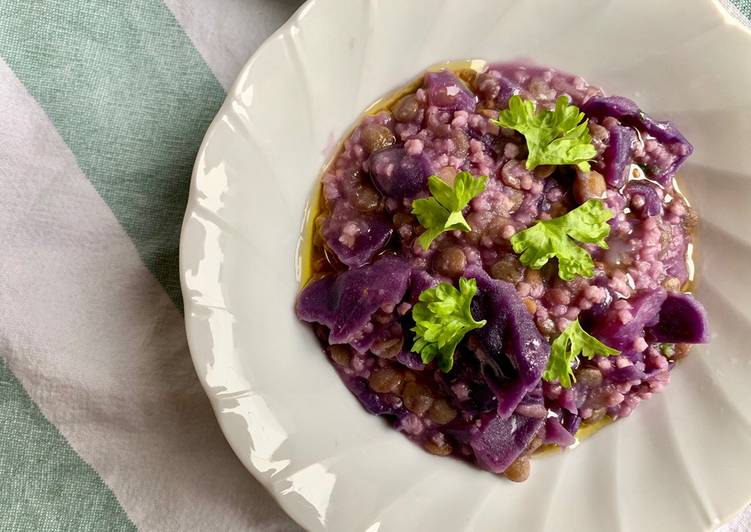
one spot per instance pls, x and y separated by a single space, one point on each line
498 395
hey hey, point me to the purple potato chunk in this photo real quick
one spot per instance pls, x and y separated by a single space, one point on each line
474 397
652 202
448 92
645 309
556 434
495 86
626 374
571 421
399 175
617 156
629 114
500 441
532 405
355 237
682 320
512 352
346 303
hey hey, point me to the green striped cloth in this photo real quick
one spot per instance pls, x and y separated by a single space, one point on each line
103 104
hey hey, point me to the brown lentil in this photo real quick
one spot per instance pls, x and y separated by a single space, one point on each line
530 304
409 376
558 208
341 355
507 269
672 283
386 380
681 351
447 174
440 449
417 398
589 377
510 174
489 113
467 75
403 218
366 198
494 230
450 261
519 470
543 171
535 444
388 348
407 109
588 185
377 137
441 412
533 276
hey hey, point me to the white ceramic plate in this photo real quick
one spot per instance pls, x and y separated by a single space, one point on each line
682 462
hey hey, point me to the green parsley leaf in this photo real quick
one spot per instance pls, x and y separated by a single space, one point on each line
557 238
667 350
572 342
442 318
443 211
553 137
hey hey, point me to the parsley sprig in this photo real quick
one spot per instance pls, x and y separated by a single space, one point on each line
558 238
572 343
442 318
553 137
443 211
